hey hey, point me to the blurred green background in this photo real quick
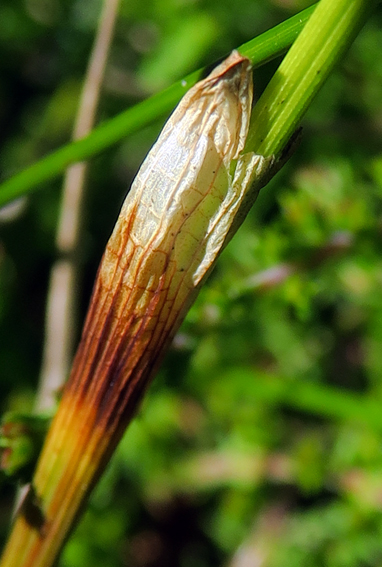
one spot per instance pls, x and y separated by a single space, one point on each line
260 441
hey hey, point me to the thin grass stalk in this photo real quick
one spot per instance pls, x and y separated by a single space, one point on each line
61 311
261 49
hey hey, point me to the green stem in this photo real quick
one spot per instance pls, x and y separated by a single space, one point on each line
267 46
324 39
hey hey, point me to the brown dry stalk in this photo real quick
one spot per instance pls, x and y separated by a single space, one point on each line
190 195
61 304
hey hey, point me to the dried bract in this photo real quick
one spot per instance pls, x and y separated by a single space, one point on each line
190 195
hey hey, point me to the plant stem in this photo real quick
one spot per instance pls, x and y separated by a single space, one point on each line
61 303
94 412
326 36
263 48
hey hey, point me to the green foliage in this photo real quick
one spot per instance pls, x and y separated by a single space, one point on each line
261 436
21 439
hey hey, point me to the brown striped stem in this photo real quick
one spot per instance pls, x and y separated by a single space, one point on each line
190 195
